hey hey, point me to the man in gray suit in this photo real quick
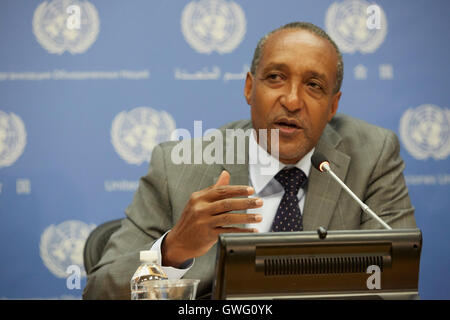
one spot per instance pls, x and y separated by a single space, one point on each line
180 209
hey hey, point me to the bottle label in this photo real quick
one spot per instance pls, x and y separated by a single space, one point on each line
149 272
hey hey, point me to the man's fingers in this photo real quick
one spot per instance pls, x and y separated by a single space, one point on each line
224 179
222 187
221 230
227 219
234 204
223 192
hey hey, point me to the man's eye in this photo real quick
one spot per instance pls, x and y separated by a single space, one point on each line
274 77
315 85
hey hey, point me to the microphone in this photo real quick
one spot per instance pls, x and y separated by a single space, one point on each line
321 163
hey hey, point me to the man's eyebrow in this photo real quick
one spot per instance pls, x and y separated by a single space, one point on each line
315 74
274 66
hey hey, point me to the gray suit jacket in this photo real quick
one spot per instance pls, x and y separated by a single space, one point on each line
364 156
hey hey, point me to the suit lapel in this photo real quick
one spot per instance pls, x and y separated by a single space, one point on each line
322 191
238 171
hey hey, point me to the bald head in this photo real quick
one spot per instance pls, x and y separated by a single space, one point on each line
312 29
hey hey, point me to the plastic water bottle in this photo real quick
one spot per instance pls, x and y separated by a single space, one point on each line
149 270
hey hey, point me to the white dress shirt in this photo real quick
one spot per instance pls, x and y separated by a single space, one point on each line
266 188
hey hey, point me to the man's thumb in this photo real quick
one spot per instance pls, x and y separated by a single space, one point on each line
224 179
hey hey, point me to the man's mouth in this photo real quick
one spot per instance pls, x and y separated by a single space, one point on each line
287 126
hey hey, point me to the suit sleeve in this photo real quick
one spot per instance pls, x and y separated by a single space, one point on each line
387 193
147 219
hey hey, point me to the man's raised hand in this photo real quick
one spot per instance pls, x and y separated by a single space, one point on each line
205 216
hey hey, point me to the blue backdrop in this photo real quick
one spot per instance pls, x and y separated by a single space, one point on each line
87 88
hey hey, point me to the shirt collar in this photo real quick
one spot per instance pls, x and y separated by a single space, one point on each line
258 156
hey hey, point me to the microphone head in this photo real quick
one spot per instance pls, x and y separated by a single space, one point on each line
318 160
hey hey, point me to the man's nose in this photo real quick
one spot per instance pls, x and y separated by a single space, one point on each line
292 99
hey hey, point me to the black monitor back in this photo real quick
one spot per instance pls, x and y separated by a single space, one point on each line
302 265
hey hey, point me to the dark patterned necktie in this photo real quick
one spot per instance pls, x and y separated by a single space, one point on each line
288 217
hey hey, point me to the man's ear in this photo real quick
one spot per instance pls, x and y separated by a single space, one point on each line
248 87
334 105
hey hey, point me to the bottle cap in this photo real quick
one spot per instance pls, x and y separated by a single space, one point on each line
148 256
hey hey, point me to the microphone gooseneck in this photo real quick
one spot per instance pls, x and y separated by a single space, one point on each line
320 162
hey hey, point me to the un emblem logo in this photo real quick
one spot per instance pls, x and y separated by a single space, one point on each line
66 25
13 138
346 23
425 132
134 134
209 25
62 246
